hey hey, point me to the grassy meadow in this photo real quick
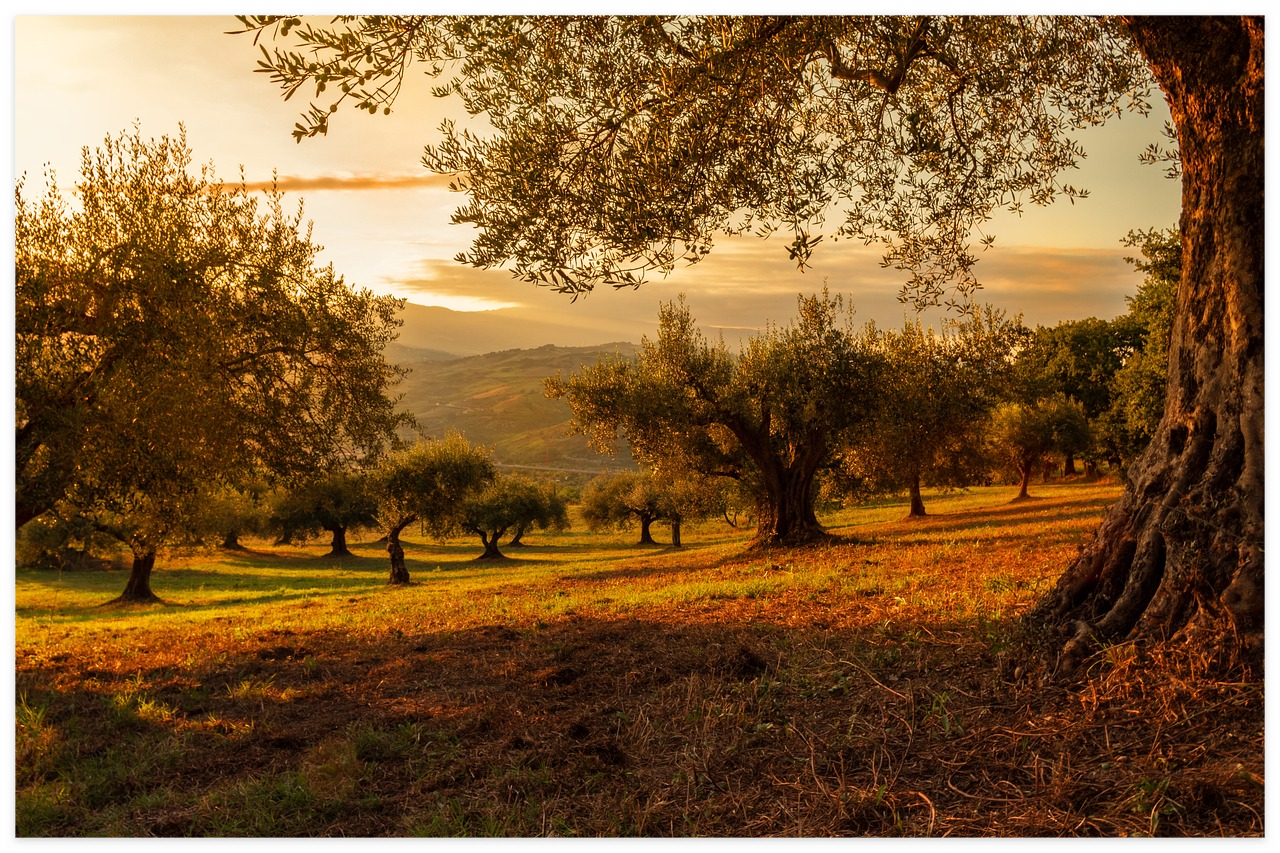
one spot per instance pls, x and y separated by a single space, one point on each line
882 683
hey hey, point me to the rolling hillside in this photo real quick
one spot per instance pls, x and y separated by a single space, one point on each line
498 400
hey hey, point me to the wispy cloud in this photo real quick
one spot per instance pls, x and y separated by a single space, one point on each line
353 183
745 285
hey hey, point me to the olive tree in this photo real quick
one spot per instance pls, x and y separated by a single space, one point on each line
614 146
426 482
509 502
771 416
934 399
172 331
337 502
621 499
1022 435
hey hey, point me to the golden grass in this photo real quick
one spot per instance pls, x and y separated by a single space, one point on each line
879 684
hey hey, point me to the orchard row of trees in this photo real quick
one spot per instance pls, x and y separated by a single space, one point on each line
180 354
818 407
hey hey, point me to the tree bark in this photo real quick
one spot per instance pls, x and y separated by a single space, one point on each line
917 502
231 542
646 536
517 541
338 548
787 516
399 572
1180 554
491 551
675 532
138 588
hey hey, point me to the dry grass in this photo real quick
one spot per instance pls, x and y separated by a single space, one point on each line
878 685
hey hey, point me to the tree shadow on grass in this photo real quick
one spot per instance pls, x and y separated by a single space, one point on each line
643 725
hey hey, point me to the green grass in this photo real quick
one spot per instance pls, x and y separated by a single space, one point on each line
590 686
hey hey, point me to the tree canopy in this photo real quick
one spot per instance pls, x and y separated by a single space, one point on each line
173 331
933 401
910 131
426 482
771 416
618 146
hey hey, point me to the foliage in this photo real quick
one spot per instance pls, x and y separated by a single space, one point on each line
1140 385
597 169
1078 358
933 402
172 332
337 501
1022 435
622 499
229 512
770 417
510 502
425 483
53 541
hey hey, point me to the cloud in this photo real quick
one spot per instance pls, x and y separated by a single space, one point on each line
354 183
745 285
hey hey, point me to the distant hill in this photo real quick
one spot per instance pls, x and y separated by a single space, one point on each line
461 333
498 400
400 354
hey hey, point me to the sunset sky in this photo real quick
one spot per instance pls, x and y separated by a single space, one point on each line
384 221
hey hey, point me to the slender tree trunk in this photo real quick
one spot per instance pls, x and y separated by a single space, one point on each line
1068 466
517 541
675 532
1180 555
917 502
231 541
138 588
338 548
399 572
1024 472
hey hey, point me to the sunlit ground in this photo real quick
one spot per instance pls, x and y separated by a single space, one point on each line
878 684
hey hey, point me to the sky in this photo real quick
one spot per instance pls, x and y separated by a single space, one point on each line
384 221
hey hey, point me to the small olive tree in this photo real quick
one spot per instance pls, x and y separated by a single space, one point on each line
510 502
938 389
425 483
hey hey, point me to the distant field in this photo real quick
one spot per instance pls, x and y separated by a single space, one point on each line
879 684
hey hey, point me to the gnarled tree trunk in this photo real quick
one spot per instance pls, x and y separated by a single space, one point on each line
490 541
646 535
338 547
399 571
1180 554
785 514
138 587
